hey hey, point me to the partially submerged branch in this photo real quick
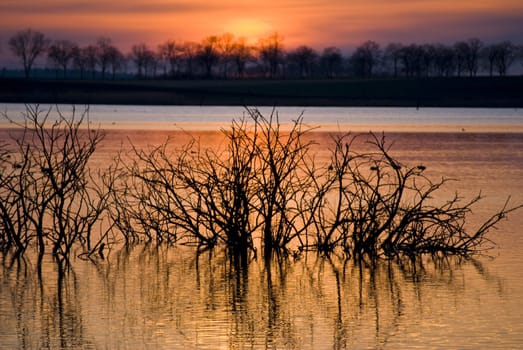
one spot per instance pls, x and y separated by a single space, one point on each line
47 190
265 186
262 187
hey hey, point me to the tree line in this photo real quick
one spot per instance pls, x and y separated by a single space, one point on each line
227 56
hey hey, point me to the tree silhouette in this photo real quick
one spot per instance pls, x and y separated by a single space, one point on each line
143 58
331 59
428 53
115 59
61 52
411 57
106 53
242 53
208 54
393 53
304 57
472 58
48 193
365 58
28 44
169 52
461 49
189 52
506 54
271 53
91 56
499 57
443 60
226 44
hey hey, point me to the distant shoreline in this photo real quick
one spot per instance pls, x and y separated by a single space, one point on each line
378 92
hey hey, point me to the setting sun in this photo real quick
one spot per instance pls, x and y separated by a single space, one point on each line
250 28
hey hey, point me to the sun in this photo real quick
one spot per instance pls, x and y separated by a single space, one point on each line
250 28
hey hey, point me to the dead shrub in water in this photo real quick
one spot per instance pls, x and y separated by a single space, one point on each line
47 192
266 185
372 205
256 183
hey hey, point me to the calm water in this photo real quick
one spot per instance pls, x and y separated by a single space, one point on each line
170 298
211 118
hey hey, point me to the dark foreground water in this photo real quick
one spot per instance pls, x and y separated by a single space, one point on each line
148 297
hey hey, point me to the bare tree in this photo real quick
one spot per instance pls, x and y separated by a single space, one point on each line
152 63
62 52
208 54
393 53
473 55
428 57
28 44
271 53
91 56
116 60
499 57
365 58
304 57
467 55
169 52
332 59
461 50
189 52
444 62
242 53
412 58
143 58
106 52
505 56
79 61
226 43
488 55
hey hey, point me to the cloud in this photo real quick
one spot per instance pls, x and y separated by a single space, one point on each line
311 22
103 7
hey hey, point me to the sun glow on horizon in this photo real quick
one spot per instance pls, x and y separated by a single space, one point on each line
314 23
250 28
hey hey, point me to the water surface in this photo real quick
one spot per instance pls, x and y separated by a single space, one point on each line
353 118
171 298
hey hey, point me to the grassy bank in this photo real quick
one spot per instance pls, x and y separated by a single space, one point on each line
427 92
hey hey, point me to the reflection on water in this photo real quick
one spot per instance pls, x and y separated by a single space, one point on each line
150 297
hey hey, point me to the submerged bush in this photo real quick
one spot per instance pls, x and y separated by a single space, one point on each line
265 186
48 195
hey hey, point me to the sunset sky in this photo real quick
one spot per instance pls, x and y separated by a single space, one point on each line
318 23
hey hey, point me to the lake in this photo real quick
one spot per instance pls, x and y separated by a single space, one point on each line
168 297
328 118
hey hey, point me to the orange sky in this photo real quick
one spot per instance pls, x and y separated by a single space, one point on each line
318 23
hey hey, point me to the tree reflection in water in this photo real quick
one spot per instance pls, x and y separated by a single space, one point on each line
150 296
46 310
